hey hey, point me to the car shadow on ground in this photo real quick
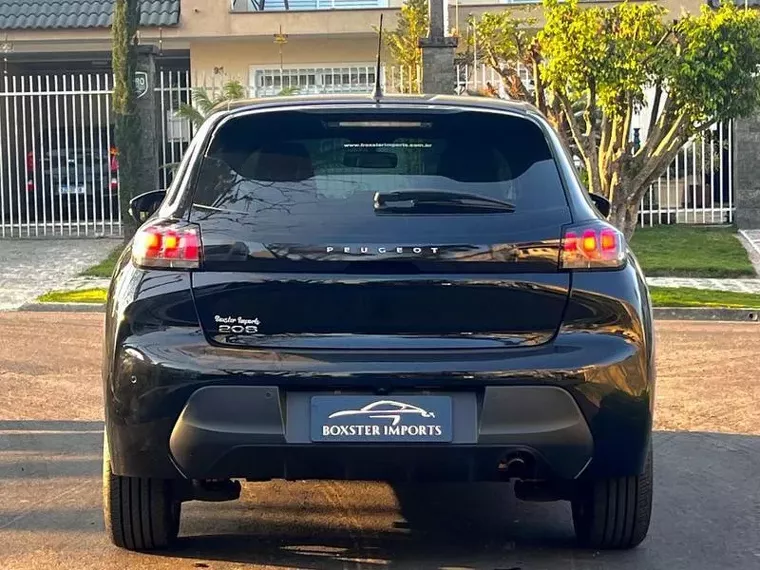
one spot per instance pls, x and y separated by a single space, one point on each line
707 500
705 485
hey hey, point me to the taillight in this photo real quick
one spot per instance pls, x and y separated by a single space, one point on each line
114 184
30 185
592 246
30 161
170 246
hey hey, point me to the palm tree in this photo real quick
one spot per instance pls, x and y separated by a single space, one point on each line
204 103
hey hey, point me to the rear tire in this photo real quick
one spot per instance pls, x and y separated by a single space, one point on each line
140 513
614 513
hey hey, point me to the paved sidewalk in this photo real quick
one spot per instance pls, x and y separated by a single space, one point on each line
79 283
753 237
31 267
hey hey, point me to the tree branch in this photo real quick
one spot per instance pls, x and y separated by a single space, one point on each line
588 114
659 166
655 108
575 128
603 152
660 157
584 144
655 134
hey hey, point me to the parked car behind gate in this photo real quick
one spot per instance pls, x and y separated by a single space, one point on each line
72 172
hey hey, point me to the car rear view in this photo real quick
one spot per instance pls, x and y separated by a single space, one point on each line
410 290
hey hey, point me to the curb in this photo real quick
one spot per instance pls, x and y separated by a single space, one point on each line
705 314
751 243
660 313
64 307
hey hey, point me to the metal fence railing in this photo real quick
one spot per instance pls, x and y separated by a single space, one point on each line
59 168
698 187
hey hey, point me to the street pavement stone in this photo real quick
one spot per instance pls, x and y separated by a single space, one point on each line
31 267
732 285
706 504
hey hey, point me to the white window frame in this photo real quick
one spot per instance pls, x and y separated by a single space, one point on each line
311 68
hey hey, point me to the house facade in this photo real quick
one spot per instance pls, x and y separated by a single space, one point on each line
322 43
56 125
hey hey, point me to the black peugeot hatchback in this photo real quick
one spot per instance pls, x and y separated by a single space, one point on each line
410 289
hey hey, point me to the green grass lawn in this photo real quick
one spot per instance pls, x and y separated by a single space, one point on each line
79 296
688 297
105 267
661 297
691 251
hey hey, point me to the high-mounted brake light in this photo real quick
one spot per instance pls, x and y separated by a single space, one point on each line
172 247
592 246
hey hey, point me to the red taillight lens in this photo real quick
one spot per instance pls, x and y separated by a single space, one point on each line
594 246
175 247
30 161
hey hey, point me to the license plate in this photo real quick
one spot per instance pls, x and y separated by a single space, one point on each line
367 419
65 189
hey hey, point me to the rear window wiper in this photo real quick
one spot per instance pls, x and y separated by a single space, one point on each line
434 201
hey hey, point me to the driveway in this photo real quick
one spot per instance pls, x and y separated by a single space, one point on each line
707 503
31 267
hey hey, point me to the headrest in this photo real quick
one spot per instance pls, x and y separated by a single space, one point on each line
469 164
283 162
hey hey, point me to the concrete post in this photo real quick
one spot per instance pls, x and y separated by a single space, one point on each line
148 109
746 172
438 48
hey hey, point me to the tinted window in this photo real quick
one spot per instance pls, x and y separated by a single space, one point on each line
293 169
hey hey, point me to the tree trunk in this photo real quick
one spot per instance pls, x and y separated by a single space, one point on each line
624 216
127 122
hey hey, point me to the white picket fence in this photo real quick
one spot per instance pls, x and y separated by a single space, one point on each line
58 175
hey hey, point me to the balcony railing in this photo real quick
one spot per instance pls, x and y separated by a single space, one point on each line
304 5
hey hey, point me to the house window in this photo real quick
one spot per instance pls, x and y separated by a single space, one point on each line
304 5
312 80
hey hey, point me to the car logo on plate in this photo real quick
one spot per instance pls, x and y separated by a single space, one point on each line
385 409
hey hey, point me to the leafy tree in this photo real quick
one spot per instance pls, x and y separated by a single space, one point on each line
592 65
126 17
404 44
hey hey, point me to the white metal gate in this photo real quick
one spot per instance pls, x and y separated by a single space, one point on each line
698 186
58 165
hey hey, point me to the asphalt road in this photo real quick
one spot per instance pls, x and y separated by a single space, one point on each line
707 503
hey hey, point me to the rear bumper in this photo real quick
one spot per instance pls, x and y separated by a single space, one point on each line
260 432
209 416
161 374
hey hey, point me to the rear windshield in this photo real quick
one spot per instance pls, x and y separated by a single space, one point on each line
290 168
